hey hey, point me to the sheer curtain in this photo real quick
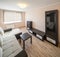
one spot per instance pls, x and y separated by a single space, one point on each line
12 17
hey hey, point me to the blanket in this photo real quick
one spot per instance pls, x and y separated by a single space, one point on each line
10 46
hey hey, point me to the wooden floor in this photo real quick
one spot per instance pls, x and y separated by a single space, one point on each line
40 48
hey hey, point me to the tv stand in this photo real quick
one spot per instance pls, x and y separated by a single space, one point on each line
39 34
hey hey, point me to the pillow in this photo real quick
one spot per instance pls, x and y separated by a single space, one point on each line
7 30
1 31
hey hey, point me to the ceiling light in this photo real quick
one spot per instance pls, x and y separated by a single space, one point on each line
22 5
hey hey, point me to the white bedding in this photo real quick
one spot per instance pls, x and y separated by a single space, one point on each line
10 44
0 52
13 32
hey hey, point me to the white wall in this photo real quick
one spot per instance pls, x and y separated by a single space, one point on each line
36 15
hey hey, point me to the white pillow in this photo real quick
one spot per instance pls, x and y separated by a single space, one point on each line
1 31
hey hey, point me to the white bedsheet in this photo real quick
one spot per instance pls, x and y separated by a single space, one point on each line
10 45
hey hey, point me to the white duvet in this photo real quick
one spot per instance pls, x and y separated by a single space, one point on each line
10 44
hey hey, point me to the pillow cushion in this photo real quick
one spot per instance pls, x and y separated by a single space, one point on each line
1 31
7 30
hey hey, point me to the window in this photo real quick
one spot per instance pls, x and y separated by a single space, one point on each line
12 17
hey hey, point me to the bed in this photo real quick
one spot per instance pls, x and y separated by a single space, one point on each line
10 45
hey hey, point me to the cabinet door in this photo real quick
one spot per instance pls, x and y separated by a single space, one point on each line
52 24
29 24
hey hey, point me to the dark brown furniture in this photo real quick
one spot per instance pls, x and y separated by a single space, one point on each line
51 18
29 24
24 37
18 35
22 54
7 30
39 34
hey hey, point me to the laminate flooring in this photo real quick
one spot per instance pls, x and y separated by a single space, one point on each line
40 48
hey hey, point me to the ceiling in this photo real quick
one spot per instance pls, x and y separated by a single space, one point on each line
12 4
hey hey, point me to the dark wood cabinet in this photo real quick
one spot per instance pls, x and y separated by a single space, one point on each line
51 18
29 24
39 34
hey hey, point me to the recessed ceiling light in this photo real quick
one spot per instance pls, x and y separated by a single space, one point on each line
22 5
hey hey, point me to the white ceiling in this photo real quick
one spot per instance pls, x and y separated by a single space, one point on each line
12 4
